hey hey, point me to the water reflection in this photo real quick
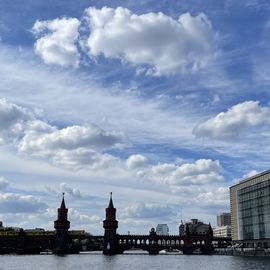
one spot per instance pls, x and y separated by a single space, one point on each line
133 261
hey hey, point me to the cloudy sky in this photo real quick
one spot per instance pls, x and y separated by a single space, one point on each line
164 103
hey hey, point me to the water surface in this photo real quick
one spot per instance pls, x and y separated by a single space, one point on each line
132 262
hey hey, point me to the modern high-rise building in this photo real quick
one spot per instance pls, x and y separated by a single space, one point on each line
250 211
224 219
162 229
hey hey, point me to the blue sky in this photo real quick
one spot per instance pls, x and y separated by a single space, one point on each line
164 103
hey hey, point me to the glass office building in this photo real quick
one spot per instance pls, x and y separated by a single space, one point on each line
250 210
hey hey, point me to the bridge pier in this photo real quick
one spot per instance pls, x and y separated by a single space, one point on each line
20 249
153 250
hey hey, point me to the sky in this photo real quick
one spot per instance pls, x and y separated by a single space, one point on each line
163 103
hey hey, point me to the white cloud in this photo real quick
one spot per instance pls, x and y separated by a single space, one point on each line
15 203
41 138
12 119
136 162
75 192
250 174
83 158
203 171
147 210
73 146
238 119
76 216
217 197
56 43
155 39
3 183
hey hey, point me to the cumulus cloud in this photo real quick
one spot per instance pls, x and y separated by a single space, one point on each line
71 191
14 203
238 119
56 41
154 42
76 216
81 158
73 146
154 39
217 197
3 183
147 210
41 138
250 174
201 172
136 162
12 119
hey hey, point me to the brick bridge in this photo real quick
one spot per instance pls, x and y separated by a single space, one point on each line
64 241
24 242
189 242
60 241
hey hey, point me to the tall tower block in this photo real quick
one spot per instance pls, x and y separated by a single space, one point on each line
61 226
110 225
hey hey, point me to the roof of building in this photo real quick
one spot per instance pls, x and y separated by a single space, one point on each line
251 178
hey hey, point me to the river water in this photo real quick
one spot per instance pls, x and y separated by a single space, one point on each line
130 262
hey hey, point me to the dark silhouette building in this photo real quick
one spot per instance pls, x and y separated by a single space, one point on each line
110 225
61 226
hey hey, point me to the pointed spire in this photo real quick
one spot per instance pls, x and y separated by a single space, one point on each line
63 205
111 202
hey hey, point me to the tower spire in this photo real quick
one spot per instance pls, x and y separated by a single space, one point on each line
111 202
63 205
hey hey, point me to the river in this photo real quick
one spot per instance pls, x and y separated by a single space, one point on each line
130 262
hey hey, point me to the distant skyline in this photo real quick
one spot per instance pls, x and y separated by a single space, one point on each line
164 103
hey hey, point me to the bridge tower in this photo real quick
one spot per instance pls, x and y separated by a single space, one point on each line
208 247
61 226
110 225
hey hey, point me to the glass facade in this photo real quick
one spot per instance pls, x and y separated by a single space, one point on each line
254 211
